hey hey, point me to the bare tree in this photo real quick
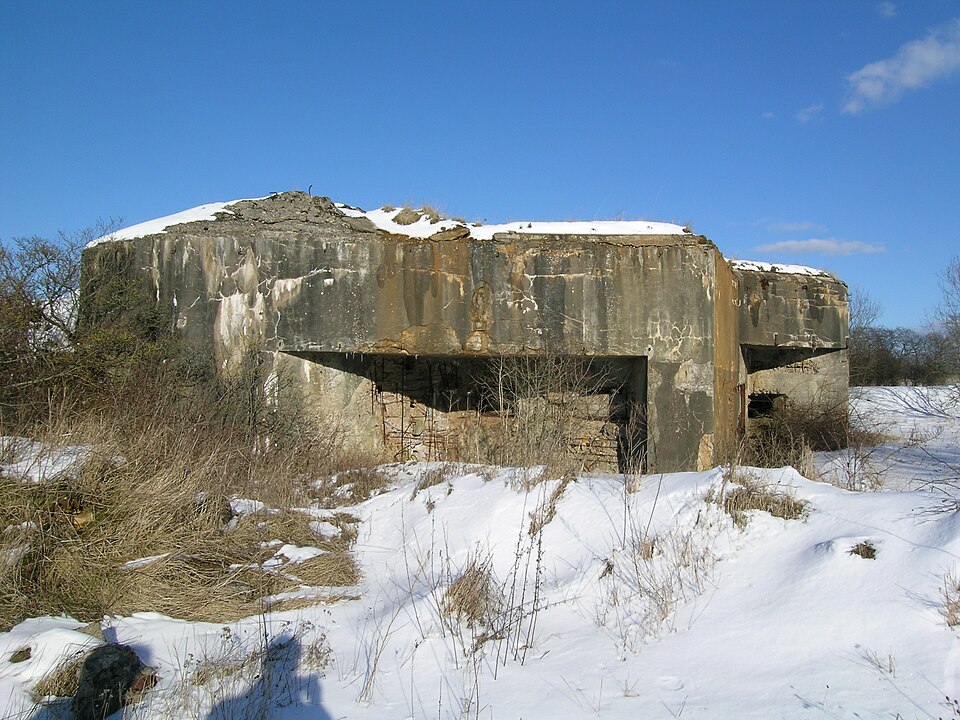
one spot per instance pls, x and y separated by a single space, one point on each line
864 313
904 356
39 293
948 314
39 284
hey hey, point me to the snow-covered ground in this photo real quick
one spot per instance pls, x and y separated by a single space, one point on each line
34 462
920 446
607 603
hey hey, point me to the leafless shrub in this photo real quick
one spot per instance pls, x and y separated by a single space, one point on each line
542 403
873 448
653 569
649 574
789 435
484 615
866 549
236 678
948 313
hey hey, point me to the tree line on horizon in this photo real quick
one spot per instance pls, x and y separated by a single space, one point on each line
882 356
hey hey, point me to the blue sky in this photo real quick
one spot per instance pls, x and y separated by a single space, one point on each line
818 133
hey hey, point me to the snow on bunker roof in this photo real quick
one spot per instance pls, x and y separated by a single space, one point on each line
160 225
423 224
757 266
412 223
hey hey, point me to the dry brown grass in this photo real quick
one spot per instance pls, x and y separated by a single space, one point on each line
749 494
63 680
157 483
286 525
472 596
432 213
867 550
647 546
950 597
433 476
191 588
544 514
335 569
350 487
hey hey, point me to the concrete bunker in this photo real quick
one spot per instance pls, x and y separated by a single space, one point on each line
650 341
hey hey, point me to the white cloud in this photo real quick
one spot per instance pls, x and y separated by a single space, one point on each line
768 116
887 10
808 113
788 226
916 64
818 246
794 227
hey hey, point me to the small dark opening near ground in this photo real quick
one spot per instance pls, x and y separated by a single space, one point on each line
763 405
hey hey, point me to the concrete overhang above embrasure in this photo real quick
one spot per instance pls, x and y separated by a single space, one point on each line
790 306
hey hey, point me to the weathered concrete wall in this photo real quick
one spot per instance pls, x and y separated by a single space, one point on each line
514 294
727 367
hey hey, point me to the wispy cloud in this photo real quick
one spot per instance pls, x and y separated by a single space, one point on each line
887 10
916 64
768 116
818 246
808 113
789 226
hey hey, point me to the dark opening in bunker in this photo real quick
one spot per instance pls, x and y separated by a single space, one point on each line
764 405
449 407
